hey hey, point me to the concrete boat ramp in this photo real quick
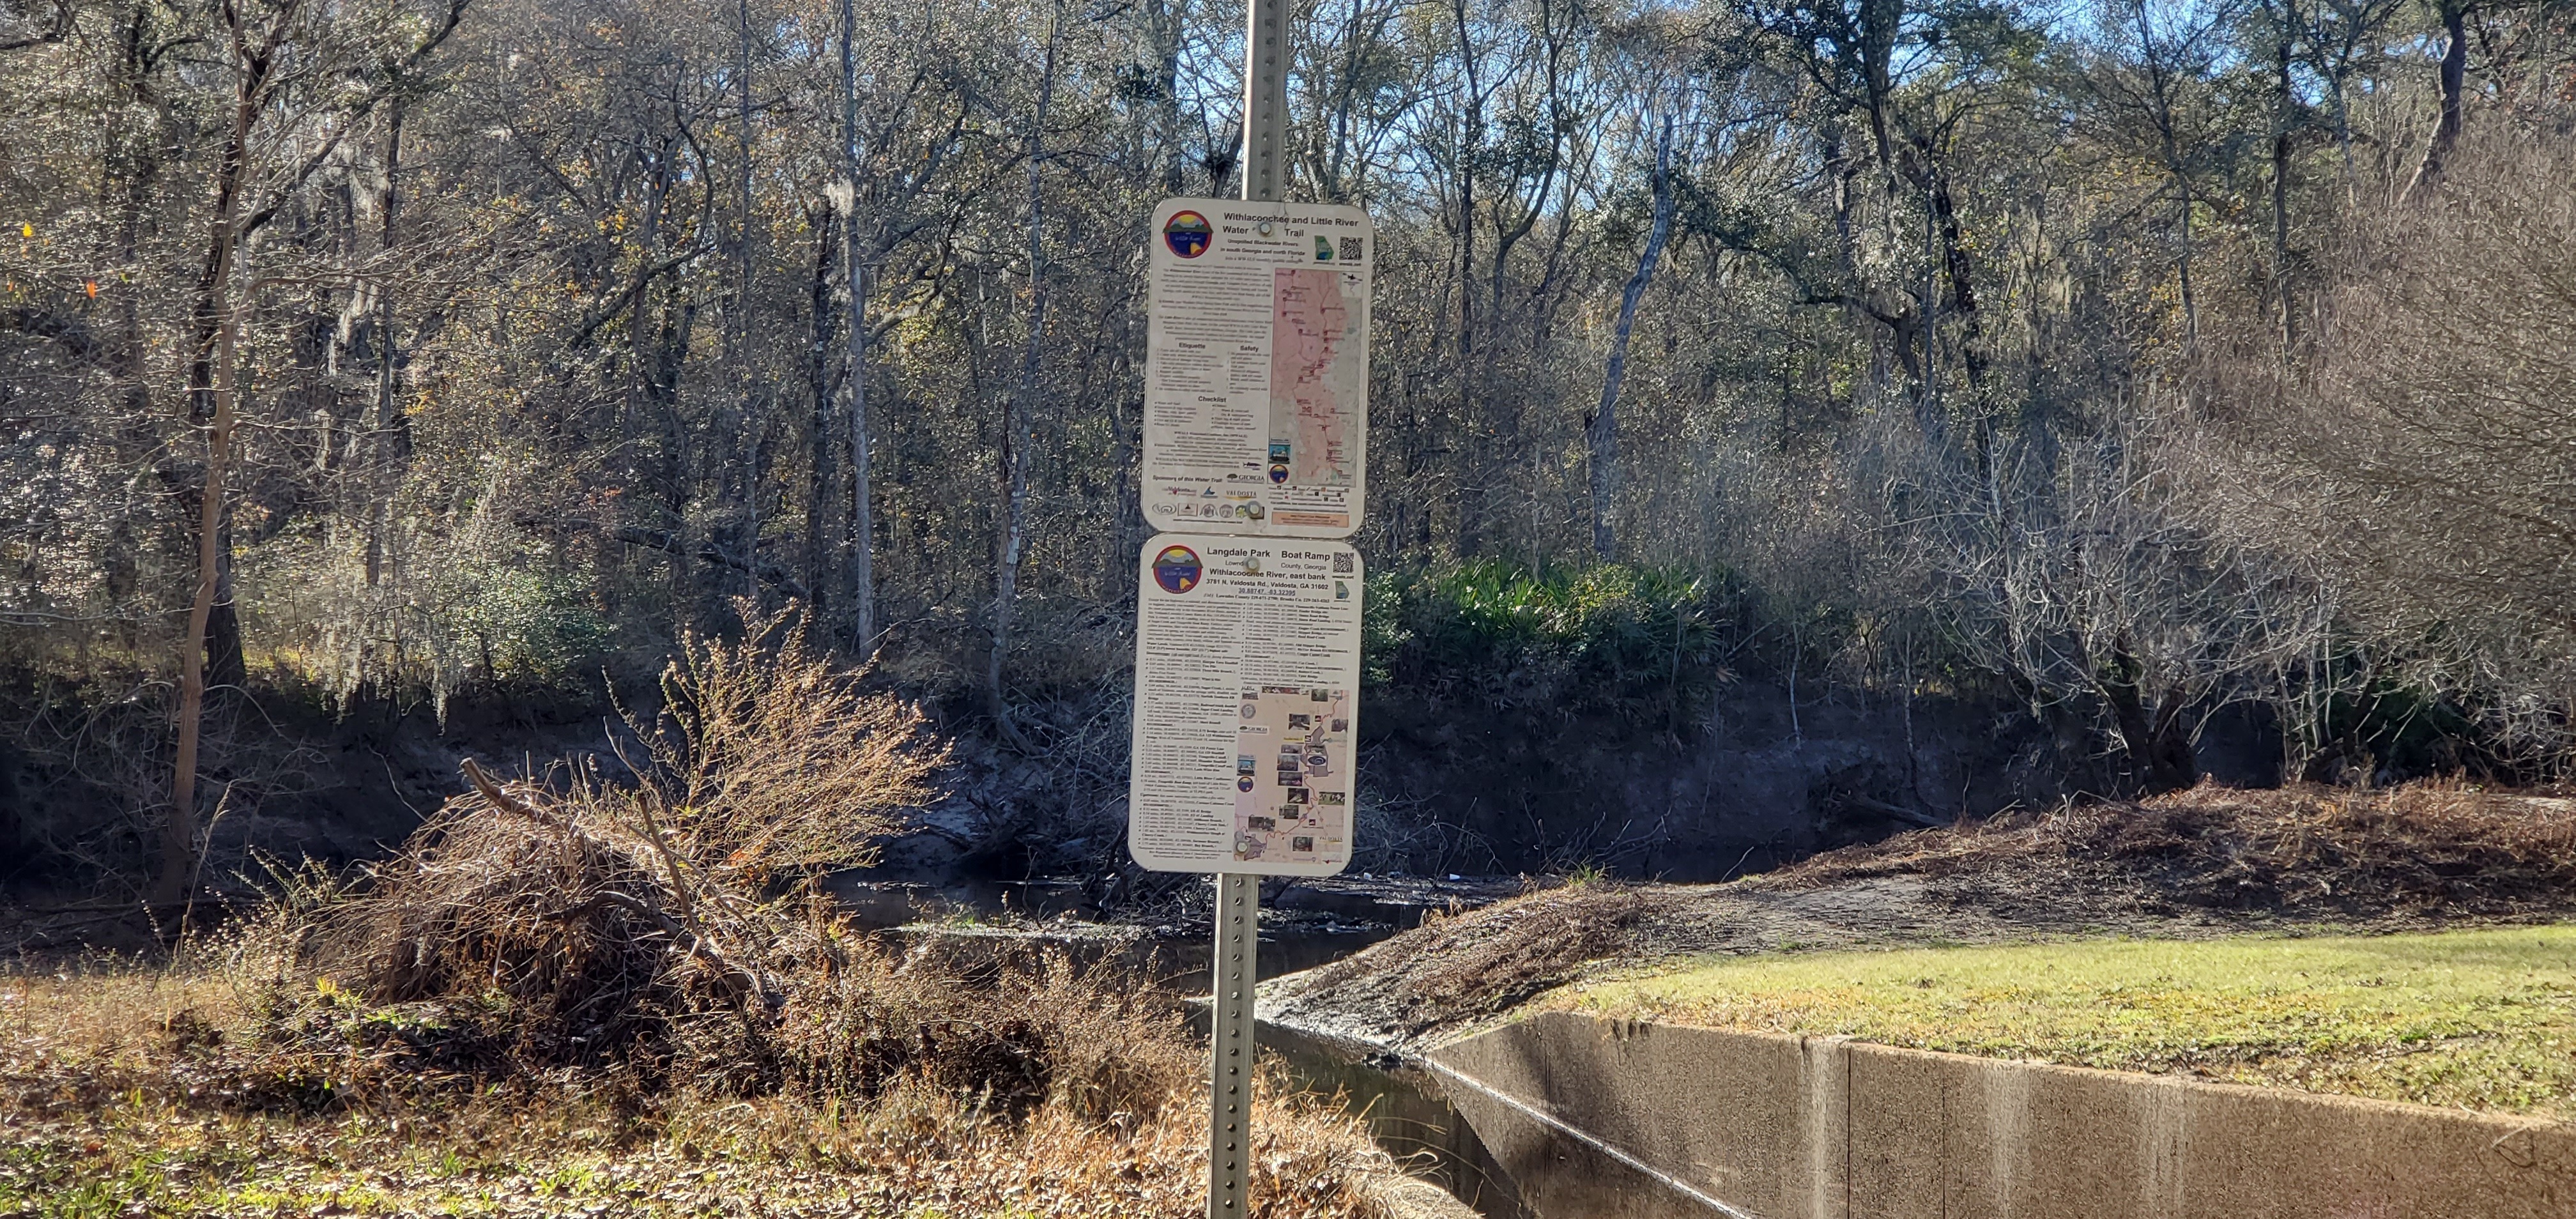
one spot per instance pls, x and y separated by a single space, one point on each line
1560 1116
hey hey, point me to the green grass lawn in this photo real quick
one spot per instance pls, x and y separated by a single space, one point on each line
2483 1019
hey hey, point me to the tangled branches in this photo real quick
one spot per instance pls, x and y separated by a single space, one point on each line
643 922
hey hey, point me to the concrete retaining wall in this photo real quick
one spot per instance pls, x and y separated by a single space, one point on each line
1610 1119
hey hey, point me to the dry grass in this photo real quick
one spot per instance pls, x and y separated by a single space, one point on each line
2424 848
592 997
122 1092
765 758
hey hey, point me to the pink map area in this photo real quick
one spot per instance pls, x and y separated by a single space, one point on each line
1308 391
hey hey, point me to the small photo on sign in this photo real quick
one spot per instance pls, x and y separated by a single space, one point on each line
1312 742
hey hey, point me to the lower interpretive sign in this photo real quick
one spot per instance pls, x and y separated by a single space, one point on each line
1247 706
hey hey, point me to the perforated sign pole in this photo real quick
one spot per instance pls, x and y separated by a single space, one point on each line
1238 940
1236 964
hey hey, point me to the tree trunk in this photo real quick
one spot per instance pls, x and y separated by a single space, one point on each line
1012 542
2161 95
2159 748
1167 20
1957 265
213 632
1471 140
2446 130
643 378
863 580
819 438
2284 103
1930 405
1127 419
382 419
178 856
745 395
2190 302
1602 430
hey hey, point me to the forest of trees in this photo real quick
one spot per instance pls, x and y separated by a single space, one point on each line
2122 361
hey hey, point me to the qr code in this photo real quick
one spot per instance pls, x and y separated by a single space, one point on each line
1351 249
1342 562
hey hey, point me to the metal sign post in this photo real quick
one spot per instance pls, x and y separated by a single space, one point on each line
1236 964
1248 611
1231 1037
1265 100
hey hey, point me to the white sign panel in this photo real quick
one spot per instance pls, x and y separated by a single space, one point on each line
1256 368
1247 706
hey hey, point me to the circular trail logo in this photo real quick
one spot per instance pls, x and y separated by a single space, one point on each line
1188 234
1177 569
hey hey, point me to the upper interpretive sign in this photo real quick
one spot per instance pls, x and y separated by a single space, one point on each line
1256 368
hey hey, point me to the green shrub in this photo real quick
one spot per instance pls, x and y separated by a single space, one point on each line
1637 642
481 606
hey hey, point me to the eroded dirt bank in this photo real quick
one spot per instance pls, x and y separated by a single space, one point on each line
2210 861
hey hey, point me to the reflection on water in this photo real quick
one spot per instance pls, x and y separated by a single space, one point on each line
1407 1115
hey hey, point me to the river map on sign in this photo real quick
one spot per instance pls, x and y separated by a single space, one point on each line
1315 371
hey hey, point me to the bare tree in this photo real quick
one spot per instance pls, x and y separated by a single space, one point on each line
863 581
2156 75
1602 427
261 58
1012 540
2453 75
2422 461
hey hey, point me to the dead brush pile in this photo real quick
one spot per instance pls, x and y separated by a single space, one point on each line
2421 848
657 925
580 922
648 946
1461 969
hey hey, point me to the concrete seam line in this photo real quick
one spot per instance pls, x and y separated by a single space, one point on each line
1589 1139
